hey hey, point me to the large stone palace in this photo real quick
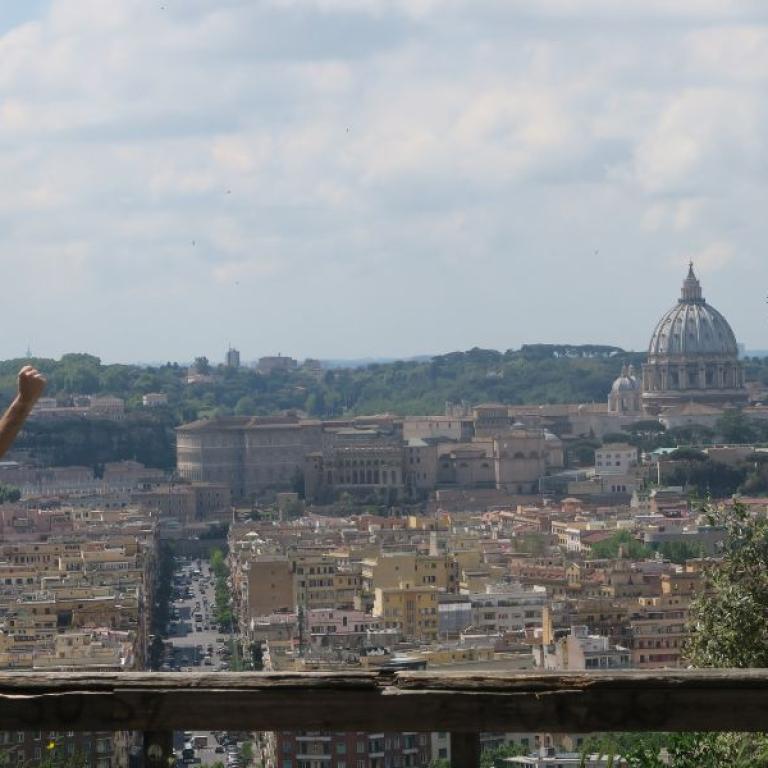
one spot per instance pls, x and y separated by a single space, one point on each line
381 457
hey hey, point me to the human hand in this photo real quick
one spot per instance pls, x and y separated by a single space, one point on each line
31 385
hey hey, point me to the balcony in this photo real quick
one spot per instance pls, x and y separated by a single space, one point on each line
465 704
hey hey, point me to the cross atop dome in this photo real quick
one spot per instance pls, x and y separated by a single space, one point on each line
691 293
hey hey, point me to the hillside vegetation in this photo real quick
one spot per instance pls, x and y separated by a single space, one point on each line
533 374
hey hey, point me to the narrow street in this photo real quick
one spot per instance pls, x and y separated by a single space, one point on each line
194 641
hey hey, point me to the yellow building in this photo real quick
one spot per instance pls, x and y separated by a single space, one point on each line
410 609
659 631
391 569
314 581
268 586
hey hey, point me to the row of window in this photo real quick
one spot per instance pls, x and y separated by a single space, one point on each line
366 477
396 761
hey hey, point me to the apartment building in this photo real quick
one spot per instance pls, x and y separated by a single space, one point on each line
507 608
580 651
615 459
315 579
349 750
389 569
79 602
411 610
658 631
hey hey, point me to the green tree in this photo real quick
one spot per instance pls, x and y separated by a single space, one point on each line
648 435
202 366
692 434
582 452
734 427
728 627
707 478
488 757
9 493
622 541
246 752
618 437
246 406
681 750
218 563
679 551
687 454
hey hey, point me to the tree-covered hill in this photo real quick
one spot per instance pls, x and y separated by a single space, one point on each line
532 374
537 373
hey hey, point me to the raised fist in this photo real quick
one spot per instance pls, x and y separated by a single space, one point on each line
31 385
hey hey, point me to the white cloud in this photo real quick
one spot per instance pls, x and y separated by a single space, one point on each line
732 52
702 137
317 148
680 215
712 257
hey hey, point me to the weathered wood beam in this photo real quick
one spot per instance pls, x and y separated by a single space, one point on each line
422 701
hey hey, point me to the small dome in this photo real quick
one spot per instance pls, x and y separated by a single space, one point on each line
626 381
692 327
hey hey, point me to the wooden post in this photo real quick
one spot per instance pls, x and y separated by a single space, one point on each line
465 750
158 749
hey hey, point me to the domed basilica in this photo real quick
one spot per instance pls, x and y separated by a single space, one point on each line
692 358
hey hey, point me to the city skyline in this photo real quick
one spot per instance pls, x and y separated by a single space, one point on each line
380 365
332 180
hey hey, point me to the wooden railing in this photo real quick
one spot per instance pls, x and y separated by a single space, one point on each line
464 704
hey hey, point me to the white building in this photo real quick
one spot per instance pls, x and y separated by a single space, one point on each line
581 651
549 757
615 459
154 399
107 406
232 359
507 608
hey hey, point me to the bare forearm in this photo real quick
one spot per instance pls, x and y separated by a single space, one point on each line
12 422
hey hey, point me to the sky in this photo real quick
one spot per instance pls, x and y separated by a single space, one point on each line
365 178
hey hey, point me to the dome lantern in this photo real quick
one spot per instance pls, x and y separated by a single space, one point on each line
691 293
